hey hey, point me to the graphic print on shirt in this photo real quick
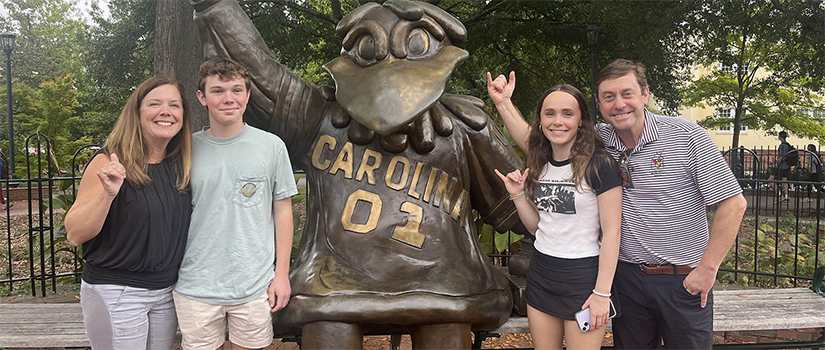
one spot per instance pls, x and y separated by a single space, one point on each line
555 197
657 166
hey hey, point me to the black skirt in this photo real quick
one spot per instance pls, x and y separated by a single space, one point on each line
559 287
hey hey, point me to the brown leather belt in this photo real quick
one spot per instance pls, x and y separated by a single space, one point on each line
665 269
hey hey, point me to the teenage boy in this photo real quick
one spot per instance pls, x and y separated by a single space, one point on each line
242 186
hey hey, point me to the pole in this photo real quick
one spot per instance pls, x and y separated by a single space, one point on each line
592 82
8 107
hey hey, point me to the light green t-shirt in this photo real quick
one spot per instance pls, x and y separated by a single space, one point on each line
230 251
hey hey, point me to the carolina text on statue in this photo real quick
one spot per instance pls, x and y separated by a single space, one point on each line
440 188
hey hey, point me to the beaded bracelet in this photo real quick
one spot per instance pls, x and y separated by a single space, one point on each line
601 294
516 196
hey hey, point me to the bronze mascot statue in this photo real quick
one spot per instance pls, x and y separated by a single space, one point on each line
394 166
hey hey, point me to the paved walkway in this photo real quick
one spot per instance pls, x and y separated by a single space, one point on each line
22 208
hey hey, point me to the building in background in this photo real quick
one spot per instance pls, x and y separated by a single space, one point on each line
748 138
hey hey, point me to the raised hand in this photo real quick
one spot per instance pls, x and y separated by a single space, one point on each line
514 181
500 89
111 175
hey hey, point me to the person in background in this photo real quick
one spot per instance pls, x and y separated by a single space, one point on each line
132 217
816 171
782 169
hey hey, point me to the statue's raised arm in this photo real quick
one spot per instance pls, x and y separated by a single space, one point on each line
281 101
395 167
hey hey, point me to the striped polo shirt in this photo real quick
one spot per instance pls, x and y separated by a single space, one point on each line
677 171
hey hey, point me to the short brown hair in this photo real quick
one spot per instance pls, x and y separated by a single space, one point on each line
619 68
225 69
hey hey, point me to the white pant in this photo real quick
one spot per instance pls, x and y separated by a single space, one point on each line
120 317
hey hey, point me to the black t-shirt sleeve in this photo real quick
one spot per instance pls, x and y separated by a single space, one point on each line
607 178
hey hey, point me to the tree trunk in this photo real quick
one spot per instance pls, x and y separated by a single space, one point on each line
178 52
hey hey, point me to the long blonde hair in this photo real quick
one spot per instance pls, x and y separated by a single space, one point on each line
128 142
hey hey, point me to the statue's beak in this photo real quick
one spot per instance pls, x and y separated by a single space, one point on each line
388 95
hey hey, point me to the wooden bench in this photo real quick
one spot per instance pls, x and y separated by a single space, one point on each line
61 325
744 310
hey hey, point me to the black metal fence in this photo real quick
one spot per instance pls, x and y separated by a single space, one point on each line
35 254
780 241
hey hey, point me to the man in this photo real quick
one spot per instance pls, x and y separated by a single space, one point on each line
668 258
242 186
783 169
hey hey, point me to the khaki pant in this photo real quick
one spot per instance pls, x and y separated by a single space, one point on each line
204 325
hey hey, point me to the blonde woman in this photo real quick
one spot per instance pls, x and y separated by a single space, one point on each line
132 217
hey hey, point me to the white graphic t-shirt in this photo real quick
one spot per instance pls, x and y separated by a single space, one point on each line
569 225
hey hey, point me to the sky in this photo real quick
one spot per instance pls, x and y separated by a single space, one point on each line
84 5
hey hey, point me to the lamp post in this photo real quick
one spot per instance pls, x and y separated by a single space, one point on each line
7 41
593 41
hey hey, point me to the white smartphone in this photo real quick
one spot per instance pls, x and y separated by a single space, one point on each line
583 317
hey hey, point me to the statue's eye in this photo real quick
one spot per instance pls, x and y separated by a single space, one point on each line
366 48
418 43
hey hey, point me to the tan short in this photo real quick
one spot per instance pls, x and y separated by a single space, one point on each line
204 325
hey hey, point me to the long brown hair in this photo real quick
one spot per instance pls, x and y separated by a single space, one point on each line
587 153
128 142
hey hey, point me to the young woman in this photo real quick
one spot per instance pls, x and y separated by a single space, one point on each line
132 217
570 197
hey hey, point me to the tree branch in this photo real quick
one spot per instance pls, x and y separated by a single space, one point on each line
291 5
490 7
336 10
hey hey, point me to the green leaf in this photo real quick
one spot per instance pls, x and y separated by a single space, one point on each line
486 238
501 240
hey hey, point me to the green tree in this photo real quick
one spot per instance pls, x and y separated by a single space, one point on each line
766 50
49 109
120 55
301 34
49 39
543 41
50 35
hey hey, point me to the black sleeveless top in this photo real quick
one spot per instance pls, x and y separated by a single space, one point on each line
143 238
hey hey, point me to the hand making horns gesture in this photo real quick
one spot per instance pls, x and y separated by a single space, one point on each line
514 181
501 90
